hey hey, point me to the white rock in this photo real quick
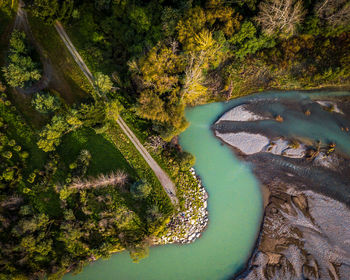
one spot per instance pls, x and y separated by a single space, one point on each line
239 114
248 143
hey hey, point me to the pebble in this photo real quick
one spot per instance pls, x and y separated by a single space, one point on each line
187 226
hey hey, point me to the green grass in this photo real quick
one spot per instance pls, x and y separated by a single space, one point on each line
132 155
105 158
68 80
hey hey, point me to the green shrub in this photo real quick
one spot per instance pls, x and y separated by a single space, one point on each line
8 174
17 148
11 143
7 154
24 155
186 160
141 189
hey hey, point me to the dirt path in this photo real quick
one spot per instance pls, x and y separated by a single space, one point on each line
162 176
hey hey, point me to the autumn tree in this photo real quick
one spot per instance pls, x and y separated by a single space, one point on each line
190 25
280 16
206 52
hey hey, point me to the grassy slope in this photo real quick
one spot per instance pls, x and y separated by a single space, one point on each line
105 157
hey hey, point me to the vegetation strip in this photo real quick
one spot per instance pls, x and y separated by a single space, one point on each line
164 179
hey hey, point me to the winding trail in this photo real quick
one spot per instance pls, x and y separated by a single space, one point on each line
162 176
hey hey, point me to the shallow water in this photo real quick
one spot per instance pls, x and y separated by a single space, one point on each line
235 210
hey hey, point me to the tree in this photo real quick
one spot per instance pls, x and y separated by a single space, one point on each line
186 160
17 42
45 9
334 12
21 70
140 21
140 189
159 68
45 103
112 110
103 83
190 25
151 106
246 41
280 16
51 10
50 136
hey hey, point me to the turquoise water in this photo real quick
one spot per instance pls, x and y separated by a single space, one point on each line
235 205
235 210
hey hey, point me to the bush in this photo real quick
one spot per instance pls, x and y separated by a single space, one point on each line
31 177
186 160
140 189
11 143
24 155
17 148
8 174
7 154
45 103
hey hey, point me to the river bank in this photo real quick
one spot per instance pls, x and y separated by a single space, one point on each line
234 206
186 226
304 231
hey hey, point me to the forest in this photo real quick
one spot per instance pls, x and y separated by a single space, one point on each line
72 188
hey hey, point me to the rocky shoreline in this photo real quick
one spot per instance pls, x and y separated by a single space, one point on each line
305 230
186 226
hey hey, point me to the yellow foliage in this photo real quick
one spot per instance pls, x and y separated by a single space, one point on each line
194 91
160 67
187 28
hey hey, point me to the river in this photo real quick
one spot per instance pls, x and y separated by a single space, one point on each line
235 204
235 210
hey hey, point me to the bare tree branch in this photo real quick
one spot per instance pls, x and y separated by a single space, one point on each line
280 16
118 178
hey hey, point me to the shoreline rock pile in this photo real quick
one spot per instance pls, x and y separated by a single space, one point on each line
186 226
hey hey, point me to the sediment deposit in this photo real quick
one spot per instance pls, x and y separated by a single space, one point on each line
305 231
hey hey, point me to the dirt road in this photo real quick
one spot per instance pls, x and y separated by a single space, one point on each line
162 176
